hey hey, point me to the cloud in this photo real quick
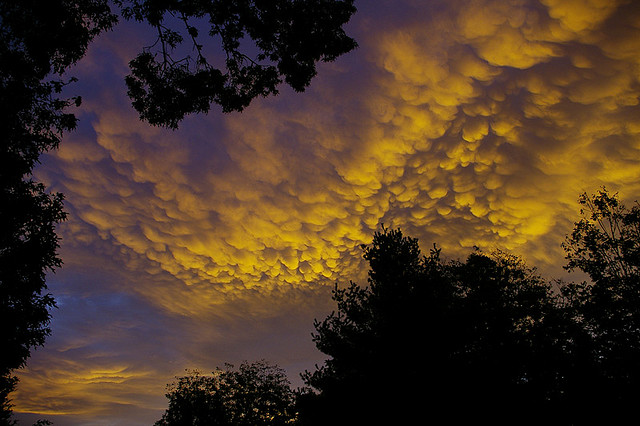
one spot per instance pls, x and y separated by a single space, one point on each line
463 122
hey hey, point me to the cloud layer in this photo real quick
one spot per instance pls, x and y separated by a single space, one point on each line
464 122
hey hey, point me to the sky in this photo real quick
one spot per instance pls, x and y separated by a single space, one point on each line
463 122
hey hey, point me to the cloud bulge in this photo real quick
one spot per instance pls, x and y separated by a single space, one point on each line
463 122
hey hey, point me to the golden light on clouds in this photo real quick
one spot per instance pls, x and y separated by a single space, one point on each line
464 122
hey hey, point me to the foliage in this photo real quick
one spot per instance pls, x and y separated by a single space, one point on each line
28 249
488 333
426 334
7 385
41 39
38 41
605 244
253 395
289 37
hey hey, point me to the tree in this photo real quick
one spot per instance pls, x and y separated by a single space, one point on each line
256 394
28 249
605 244
41 39
38 41
289 37
371 332
427 336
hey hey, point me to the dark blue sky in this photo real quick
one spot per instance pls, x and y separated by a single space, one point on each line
464 122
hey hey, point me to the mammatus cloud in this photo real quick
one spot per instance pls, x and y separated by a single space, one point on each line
464 122
505 114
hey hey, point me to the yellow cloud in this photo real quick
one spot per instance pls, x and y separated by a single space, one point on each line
580 15
470 123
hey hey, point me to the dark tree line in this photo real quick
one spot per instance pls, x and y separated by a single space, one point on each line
41 39
425 336
486 339
38 41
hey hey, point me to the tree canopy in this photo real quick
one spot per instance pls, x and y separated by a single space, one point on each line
426 335
605 244
41 39
488 334
38 41
265 43
256 394
481 339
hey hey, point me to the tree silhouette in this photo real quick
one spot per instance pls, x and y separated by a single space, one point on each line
428 337
38 41
484 339
41 39
605 244
256 394
289 37
487 334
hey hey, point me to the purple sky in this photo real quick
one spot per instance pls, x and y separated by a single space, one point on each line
463 122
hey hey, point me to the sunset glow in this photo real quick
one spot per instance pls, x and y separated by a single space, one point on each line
465 123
